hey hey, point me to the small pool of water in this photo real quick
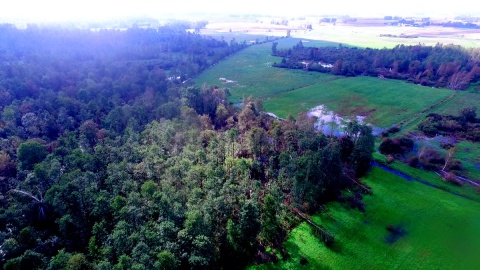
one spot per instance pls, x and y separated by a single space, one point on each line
331 123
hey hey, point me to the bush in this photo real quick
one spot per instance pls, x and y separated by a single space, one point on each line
413 162
395 146
428 127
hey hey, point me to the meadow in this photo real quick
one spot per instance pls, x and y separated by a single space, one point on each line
439 230
461 100
250 72
383 102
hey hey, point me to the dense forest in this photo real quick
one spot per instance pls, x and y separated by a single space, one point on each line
448 66
111 160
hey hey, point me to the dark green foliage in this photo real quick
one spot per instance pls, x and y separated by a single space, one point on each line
395 146
59 261
78 262
166 260
29 153
271 231
29 260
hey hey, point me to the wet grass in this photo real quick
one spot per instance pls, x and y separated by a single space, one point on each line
383 102
438 231
469 154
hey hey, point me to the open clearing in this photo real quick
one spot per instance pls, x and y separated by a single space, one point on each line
439 231
252 73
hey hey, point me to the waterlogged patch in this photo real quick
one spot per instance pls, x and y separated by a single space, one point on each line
331 123
226 80
394 234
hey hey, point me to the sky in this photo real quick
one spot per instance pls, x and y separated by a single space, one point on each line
74 10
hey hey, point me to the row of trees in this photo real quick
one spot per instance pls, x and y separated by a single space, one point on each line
440 66
109 161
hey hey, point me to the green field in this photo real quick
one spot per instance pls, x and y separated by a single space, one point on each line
442 231
383 102
461 100
284 91
251 71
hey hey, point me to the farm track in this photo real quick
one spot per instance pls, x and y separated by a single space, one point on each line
417 117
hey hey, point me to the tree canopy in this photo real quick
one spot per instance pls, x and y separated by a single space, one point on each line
112 160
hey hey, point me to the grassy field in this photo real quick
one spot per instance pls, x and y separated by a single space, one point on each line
442 231
383 102
441 223
461 100
250 73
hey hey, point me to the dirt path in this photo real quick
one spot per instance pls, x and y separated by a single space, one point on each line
425 111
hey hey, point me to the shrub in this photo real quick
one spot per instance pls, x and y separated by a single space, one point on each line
395 146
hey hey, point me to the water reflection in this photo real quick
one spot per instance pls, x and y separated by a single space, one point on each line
331 123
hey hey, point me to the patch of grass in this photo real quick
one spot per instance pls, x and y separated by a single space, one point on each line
441 231
383 102
430 178
461 100
469 154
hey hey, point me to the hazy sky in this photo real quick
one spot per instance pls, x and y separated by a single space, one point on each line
70 10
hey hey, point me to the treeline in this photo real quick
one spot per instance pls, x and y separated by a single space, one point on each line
108 161
448 66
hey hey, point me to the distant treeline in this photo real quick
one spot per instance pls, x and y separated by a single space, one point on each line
448 66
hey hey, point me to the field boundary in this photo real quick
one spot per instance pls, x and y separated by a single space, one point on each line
425 111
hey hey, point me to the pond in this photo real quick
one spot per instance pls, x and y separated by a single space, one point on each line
331 123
